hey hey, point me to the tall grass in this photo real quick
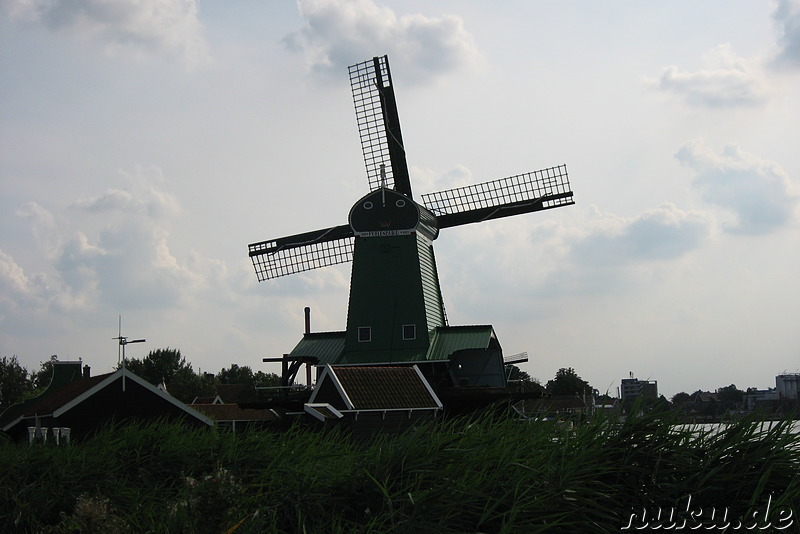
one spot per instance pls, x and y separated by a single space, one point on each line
480 474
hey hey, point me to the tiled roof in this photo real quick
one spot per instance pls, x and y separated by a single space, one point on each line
385 388
63 395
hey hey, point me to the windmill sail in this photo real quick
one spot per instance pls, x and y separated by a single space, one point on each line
379 125
302 252
523 193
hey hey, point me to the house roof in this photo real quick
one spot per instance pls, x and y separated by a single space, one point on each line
380 387
236 393
63 399
706 396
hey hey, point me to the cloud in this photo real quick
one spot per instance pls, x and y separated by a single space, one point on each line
339 33
141 27
127 264
556 260
614 252
757 191
728 81
787 18
141 196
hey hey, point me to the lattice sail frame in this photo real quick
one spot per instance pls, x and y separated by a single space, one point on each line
271 261
370 119
544 183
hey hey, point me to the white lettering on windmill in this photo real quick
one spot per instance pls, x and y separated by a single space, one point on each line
384 233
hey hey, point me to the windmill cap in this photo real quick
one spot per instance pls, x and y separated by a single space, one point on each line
385 212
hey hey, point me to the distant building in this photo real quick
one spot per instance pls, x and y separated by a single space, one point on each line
633 388
787 386
232 408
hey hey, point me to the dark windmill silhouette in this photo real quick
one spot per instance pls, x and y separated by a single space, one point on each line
395 312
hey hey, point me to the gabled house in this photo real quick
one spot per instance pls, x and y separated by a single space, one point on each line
233 417
370 398
76 404
232 407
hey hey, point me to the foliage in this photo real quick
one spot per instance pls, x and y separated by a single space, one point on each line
92 515
681 398
245 375
567 382
14 381
731 397
167 366
482 474
526 383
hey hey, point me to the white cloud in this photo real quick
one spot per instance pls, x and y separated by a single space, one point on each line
758 191
123 26
727 81
128 263
142 196
339 33
787 18
47 230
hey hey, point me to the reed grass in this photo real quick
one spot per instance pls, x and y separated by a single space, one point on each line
479 474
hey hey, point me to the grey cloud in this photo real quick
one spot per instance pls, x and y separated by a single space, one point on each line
663 233
758 191
168 26
787 18
339 33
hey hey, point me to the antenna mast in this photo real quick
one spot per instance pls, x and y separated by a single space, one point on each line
123 340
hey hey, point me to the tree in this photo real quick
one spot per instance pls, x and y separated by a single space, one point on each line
236 375
169 367
14 382
41 379
680 399
730 397
567 382
523 381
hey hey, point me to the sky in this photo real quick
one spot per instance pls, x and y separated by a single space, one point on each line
144 144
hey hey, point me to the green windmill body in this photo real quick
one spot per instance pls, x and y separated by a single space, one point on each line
395 298
395 312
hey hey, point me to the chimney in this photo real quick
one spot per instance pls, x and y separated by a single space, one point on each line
308 320
87 371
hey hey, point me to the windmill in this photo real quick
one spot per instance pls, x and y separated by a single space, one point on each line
395 311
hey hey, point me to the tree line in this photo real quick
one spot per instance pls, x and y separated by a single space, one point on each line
170 368
160 367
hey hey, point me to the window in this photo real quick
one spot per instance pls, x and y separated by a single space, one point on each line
365 333
409 331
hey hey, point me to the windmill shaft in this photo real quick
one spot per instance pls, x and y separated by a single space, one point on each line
505 210
394 138
298 240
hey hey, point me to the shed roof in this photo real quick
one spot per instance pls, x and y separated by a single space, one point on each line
448 339
326 346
